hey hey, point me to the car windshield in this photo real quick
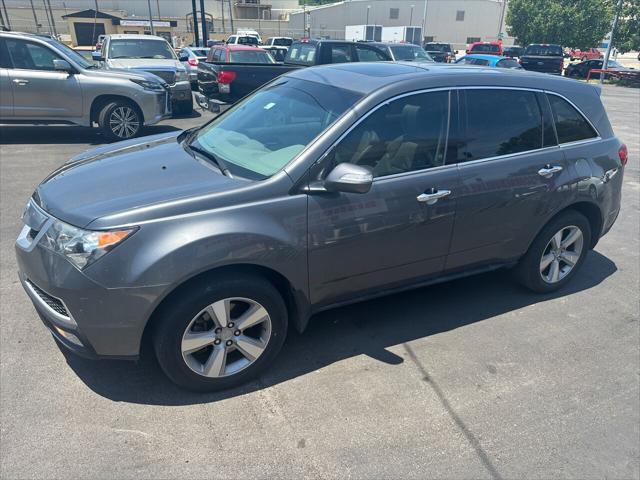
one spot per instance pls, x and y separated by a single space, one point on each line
410 53
75 56
141 48
437 47
248 40
251 56
485 48
264 132
544 50
282 42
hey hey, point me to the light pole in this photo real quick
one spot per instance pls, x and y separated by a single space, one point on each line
368 8
411 16
605 62
153 31
424 19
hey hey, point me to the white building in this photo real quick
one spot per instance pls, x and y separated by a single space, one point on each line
459 22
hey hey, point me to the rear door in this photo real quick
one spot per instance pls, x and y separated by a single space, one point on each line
400 230
512 174
39 91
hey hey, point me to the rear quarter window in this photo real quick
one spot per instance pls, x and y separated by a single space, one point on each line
302 53
571 126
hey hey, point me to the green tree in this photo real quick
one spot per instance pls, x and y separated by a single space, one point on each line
578 24
627 36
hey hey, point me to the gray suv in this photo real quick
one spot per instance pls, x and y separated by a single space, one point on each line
45 82
327 186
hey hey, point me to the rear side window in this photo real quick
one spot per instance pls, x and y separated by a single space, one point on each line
508 63
341 54
31 56
498 122
5 61
571 126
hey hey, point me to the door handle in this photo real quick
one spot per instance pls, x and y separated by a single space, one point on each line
431 198
20 81
548 171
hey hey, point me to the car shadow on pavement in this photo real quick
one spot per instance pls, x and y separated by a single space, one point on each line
45 135
366 328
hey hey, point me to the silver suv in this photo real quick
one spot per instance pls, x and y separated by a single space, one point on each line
151 54
44 81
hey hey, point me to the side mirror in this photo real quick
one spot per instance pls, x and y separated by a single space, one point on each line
97 56
62 66
184 57
349 178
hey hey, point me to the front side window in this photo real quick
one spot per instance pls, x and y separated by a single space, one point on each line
405 135
410 53
571 126
140 48
31 56
497 122
341 54
366 54
264 132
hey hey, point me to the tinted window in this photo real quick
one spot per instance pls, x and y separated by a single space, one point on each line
282 42
485 48
544 50
341 54
248 40
508 63
302 53
437 47
570 124
410 53
5 61
369 54
250 56
405 135
498 122
30 56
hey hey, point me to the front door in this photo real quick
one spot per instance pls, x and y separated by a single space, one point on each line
399 231
512 174
39 91
6 92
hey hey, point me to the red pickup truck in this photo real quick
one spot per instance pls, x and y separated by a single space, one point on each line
588 54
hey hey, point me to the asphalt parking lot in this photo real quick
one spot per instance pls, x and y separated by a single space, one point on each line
477 378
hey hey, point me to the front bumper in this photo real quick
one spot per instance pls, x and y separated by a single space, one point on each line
181 91
86 317
156 106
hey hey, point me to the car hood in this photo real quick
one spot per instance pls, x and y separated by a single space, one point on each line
125 176
145 63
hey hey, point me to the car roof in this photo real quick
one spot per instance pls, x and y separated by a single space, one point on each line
392 44
365 78
133 36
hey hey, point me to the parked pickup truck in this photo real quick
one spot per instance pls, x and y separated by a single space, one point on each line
588 54
542 57
222 80
43 81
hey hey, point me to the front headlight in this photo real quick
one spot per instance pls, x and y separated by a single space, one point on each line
81 247
181 76
149 85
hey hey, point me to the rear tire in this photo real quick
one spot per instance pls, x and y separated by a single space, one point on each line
546 267
120 120
244 349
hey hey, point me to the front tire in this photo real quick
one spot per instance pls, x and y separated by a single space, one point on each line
556 254
221 333
120 120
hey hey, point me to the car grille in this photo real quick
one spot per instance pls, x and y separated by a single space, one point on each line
54 303
166 75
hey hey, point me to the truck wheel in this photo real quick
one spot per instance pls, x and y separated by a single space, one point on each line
556 254
120 120
221 333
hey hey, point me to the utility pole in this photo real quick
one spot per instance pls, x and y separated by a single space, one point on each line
504 8
153 31
158 7
231 16
424 19
196 33
205 35
35 17
53 22
222 5
411 16
46 13
368 9
6 15
605 62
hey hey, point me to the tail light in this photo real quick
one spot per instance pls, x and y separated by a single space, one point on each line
623 153
225 78
193 62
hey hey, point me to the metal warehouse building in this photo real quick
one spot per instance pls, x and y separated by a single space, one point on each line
455 21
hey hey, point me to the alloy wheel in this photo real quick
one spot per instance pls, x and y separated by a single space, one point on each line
226 337
561 254
124 122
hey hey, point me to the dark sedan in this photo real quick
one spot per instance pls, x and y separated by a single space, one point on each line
581 69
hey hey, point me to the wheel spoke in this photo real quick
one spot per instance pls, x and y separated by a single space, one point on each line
546 261
216 363
249 347
573 236
554 272
255 315
194 341
570 258
219 312
557 240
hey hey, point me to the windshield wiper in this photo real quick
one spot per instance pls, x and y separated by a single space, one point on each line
211 157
